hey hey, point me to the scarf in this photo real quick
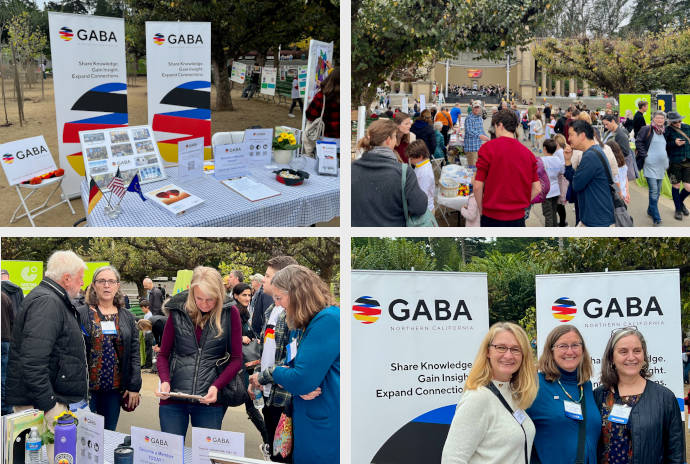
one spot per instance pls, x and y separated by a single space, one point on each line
384 151
659 130
268 356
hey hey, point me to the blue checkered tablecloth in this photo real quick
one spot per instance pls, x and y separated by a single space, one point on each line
316 200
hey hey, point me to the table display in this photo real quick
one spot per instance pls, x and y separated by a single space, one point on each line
317 200
112 439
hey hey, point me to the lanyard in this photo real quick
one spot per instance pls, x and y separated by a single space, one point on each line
571 398
503 401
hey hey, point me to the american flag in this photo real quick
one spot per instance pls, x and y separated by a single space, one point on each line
117 186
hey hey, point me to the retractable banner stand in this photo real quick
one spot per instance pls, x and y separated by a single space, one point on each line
414 339
683 107
178 66
664 102
90 77
319 64
628 101
26 274
599 303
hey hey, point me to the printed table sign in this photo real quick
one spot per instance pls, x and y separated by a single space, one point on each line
25 159
205 441
190 158
230 160
89 437
154 447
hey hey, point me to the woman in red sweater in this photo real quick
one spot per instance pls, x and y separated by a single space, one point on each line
330 88
198 335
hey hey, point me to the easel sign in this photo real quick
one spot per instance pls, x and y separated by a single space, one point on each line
132 149
25 159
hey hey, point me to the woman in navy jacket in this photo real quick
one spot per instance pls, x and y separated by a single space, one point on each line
312 373
423 130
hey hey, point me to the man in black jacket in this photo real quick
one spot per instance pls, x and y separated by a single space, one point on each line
639 121
155 297
13 290
47 368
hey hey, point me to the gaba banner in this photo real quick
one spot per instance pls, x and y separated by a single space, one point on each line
178 64
90 74
600 302
26 158
414 339
25 274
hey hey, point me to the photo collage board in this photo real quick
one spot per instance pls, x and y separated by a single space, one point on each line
132 149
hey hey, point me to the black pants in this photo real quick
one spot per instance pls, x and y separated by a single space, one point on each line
257 420
561 215
296 101
446 136
486 221
271 417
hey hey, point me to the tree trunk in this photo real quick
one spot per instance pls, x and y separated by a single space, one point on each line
4 98
220 68
18 88
276 60
462 251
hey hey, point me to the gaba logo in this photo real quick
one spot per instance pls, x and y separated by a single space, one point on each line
29 273
563 309
66 33
158 38
156 441
366 310
185 39
219 440
208 439
32 151
147 439
7 158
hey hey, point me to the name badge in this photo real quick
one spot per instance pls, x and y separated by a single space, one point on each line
108 328
572 410
520 416
620 413
292 350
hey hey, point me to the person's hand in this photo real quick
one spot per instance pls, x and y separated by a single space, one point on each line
627 196
163 391
312 395
483 138
246 340
211 397
156 348
568 153
132 398
52 413
254 380
680 142
250 390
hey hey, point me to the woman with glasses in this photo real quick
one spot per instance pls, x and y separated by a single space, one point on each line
641 419
490 424
112 348
565 414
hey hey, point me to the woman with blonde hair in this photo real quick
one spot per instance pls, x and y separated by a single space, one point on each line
565 414
312 370
376 194
112 348
490 424
193 359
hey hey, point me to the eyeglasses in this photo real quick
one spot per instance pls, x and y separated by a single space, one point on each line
503 349
565 346
623 329
110 282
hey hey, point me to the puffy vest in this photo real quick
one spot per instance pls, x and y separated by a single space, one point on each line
193 366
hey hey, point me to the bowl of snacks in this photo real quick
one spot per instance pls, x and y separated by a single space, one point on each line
291 176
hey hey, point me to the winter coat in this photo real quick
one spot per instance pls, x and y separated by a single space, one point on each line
47 360
424 131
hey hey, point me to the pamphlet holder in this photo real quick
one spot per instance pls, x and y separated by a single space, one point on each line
57 181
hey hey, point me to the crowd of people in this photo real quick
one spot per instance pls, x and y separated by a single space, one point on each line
538 155
548 410
61 354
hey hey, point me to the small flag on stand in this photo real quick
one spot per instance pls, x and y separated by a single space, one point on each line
116 185
134 186
95 195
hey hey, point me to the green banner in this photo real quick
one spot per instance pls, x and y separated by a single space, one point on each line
184 278
26 274
628 101
90 269
683 107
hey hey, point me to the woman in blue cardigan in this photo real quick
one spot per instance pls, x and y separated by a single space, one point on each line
313 371
565 406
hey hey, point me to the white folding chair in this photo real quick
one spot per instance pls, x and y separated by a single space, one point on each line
41 209
227 138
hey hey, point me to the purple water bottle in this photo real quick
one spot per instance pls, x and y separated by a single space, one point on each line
65 438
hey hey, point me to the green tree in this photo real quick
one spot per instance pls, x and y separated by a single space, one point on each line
390 36
392 254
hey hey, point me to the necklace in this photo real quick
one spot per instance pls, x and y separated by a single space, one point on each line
568 394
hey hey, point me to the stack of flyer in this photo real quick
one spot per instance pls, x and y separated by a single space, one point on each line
15 429
173 199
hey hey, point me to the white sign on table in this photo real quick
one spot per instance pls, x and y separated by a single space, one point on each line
90 442
231 160
327 158
154 447
260 146
190 159
268 80
26 158
209 440
239 72
250 189
422 103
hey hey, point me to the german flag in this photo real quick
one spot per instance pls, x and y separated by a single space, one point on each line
95 195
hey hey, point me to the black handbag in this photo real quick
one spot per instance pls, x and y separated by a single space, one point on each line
235 392
251 351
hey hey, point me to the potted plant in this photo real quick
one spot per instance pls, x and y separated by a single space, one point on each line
284 146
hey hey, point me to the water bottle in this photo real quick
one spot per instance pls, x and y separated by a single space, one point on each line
124 453
258 398
32 453
65 438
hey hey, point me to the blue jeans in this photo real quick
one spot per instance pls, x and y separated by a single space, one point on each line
686 371
654 191
174 418
5 357
106 404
